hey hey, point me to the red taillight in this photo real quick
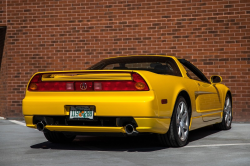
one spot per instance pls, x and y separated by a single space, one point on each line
136 84
36 78
54 86
114 86
140 83
137 77
33 86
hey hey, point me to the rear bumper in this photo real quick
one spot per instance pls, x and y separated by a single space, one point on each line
141 105
151 125
133 104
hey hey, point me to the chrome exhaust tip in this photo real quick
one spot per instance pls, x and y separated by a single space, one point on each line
40 126
129 128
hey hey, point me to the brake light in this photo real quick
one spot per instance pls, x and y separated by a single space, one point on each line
36 78
136 84
140 83
114 86
34 82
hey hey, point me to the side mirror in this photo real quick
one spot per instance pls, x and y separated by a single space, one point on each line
215 79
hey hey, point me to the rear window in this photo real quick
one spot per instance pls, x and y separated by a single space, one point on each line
159 65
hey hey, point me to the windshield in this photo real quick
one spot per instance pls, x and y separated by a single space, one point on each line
155 64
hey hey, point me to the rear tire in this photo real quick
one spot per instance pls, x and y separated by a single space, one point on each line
227 115
58 137
177 135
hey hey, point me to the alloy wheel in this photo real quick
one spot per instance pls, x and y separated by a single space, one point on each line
228 112
182 121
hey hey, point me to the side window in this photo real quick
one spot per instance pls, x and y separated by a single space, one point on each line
193 72
191 75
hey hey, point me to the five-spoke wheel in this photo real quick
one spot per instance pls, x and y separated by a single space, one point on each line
178 132
227 115
228 112
182 121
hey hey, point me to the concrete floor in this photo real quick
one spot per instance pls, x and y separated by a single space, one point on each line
22 146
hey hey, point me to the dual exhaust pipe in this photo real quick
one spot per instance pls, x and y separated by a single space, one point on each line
130 129
40 126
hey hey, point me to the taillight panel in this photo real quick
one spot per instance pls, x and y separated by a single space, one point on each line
136 84
114 86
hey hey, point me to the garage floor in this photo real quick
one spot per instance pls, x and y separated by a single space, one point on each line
22 146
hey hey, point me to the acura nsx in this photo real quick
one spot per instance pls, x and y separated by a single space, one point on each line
131 95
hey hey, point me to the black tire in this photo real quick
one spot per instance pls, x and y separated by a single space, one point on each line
58 137
172 138
227 111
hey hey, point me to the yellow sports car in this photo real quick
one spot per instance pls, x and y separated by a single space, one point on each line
128 96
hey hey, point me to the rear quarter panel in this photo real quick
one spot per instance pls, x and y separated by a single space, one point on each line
168 87
223 92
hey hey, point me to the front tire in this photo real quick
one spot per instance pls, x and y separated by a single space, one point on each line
58 137
177 135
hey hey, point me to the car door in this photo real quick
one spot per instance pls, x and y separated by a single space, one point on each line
208 101
207 97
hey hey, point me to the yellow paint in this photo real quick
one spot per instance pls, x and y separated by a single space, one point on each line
144 106
208 100
153 125
29 121
85 129
86 76
190 123
208 117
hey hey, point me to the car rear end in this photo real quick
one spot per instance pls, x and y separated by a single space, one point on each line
92 101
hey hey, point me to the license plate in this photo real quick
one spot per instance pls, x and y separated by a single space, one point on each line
81 112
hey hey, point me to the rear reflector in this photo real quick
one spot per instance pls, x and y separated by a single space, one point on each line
136 84
164 101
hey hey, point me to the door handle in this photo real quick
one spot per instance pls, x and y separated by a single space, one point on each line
198 84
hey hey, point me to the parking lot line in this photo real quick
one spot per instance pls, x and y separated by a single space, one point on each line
18 122
215 145
192 146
